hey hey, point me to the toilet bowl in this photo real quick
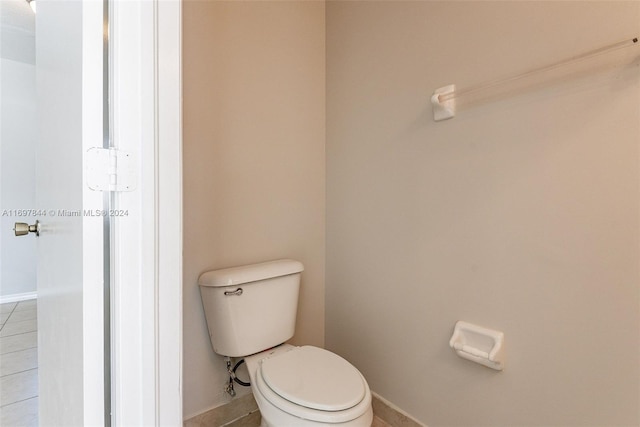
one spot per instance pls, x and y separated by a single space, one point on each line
308 386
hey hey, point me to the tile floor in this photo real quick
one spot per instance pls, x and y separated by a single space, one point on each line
243 412
18 364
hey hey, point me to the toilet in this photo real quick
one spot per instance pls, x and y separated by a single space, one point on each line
251 313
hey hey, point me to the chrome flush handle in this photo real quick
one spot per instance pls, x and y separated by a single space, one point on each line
236 292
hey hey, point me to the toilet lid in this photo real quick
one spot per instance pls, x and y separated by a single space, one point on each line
314 378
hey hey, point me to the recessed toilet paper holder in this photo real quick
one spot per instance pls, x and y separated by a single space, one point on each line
478 344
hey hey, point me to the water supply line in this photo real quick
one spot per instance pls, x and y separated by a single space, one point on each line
232 377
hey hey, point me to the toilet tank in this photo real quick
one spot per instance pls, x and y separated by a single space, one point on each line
251 308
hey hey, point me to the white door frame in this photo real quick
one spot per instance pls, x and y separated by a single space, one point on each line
147 249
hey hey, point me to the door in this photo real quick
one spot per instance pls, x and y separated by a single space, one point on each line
141 381
70 267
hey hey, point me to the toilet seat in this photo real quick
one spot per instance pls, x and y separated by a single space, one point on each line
314 384
314 378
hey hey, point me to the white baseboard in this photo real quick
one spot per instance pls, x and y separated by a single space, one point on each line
18 297
391 414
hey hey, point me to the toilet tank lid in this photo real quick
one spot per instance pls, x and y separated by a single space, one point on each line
250 273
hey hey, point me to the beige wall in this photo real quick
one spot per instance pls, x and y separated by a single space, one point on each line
254 179
520 214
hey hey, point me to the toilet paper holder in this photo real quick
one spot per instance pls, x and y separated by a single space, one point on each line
481 345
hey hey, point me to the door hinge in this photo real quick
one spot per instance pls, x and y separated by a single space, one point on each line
110 169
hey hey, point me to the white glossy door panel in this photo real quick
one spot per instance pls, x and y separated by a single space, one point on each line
70 267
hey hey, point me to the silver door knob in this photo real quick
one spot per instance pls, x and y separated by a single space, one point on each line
22 228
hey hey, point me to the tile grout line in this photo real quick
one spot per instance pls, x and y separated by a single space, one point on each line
22 400
18 401
19 333
22 349
9 316
26 370
18 372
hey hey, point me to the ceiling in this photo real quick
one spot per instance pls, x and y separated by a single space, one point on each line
17 31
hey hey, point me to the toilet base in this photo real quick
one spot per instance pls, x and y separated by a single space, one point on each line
274 417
